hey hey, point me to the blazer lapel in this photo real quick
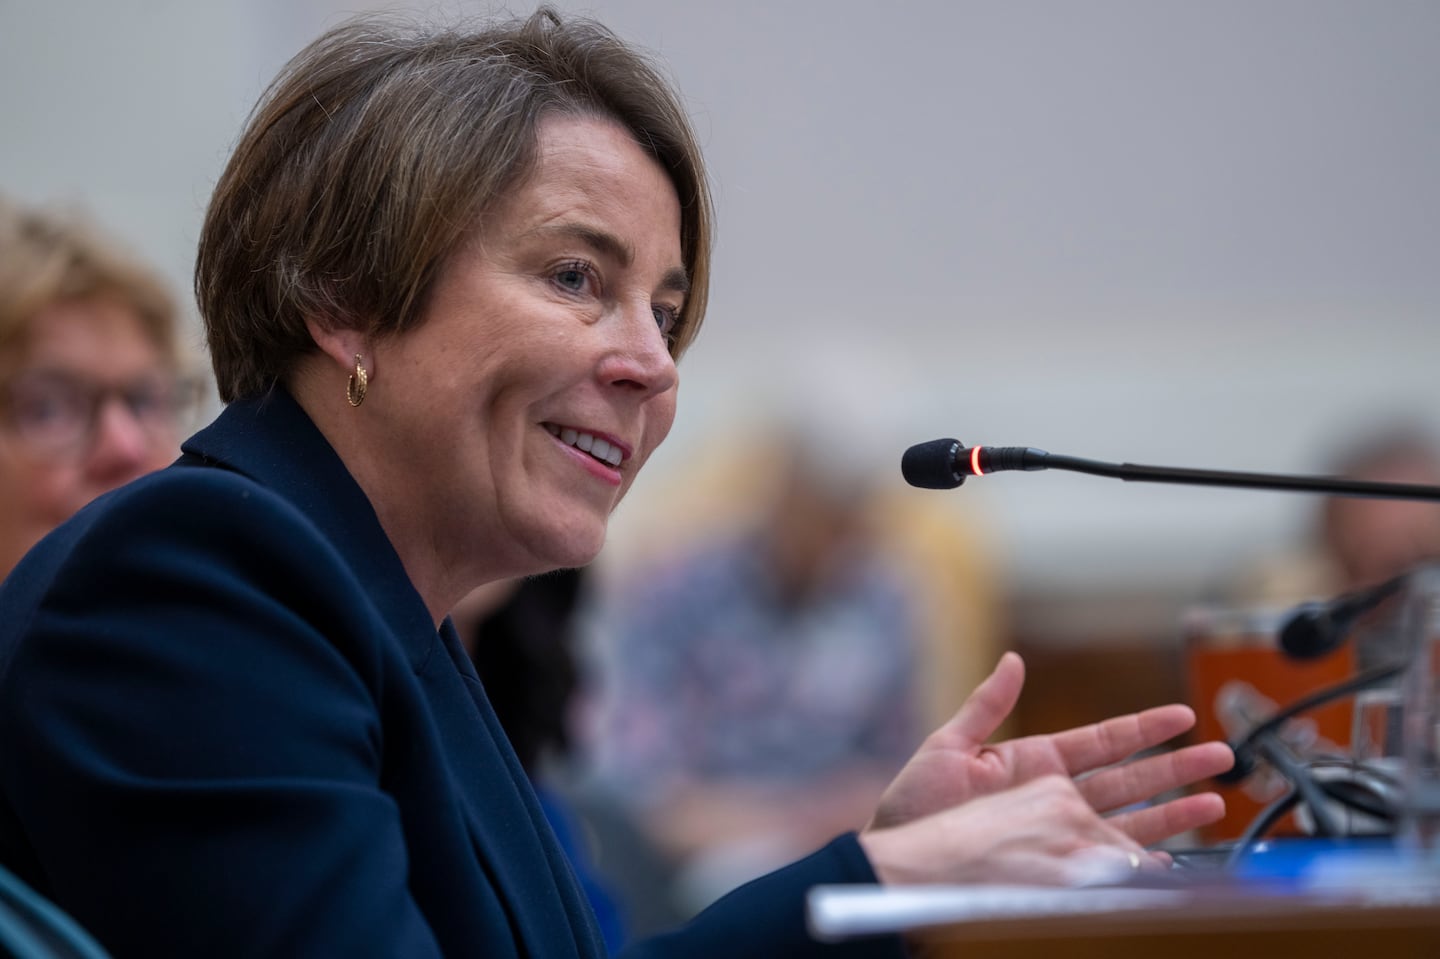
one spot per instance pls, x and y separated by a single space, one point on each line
505 816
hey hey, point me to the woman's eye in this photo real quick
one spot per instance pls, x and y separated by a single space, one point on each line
668 319
573 277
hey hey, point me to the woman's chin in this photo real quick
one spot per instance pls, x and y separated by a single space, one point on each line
574 549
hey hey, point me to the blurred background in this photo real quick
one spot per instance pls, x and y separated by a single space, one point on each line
1135 230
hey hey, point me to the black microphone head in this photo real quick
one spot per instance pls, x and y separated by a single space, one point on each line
1245 764
932 465
1311 632
1318 628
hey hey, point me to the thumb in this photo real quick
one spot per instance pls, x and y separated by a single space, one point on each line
987 706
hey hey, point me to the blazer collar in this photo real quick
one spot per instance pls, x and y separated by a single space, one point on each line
273 441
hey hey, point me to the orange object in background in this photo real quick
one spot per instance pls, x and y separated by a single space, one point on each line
1236 676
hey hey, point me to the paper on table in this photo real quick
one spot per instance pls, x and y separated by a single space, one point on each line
838 912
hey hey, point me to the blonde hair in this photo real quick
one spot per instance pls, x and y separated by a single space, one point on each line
52 257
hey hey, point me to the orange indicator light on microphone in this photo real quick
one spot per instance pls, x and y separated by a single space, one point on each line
975 461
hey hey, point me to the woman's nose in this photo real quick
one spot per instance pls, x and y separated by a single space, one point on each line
122 446
640 358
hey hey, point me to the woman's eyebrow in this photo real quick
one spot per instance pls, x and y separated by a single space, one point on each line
605 243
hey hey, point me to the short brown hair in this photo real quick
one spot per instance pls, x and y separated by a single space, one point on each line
379 149
49 257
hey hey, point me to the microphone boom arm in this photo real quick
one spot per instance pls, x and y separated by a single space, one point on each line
996 459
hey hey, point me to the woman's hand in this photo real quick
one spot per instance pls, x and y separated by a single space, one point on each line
954 766
1041 833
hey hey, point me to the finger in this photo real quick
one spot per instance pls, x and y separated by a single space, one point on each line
1156 823
1102 865
1146 778
1112 864
1100 744
987 707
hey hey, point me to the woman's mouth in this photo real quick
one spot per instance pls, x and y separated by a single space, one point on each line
603 450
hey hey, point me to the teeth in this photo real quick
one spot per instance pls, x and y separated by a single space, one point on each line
598 448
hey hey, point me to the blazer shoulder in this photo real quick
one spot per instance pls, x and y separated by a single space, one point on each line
194 495
212 512
200 553
172 531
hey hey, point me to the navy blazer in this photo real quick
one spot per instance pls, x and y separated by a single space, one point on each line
229 727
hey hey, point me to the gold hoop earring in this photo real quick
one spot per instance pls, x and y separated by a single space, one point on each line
358 383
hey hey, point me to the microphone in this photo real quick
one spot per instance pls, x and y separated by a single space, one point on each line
946 463
1315 629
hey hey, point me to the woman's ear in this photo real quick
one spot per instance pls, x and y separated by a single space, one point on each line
341 344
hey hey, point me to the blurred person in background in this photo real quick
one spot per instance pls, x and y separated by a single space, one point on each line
1355 542
1367 541
757 684
1364 542
90 364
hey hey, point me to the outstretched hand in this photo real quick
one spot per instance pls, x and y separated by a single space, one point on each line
1040 833
954 765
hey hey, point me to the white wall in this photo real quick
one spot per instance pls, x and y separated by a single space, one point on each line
1163 232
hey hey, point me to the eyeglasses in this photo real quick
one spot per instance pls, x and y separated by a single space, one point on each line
55 413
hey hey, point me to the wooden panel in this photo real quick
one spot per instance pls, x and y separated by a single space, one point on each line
1071 684
1315 933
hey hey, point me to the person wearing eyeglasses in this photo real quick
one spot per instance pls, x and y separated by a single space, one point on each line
90 361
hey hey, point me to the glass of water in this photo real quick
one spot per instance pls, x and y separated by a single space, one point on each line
1420 720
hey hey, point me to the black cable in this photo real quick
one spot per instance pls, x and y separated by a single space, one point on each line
1244 747
1361 799
1339 762
1260 825
1273 750
1348 793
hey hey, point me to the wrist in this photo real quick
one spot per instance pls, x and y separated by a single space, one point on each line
890 857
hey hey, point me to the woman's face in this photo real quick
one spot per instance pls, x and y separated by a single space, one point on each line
517 414
88 405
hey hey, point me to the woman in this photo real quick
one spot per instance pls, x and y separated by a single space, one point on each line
89 373
445 279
